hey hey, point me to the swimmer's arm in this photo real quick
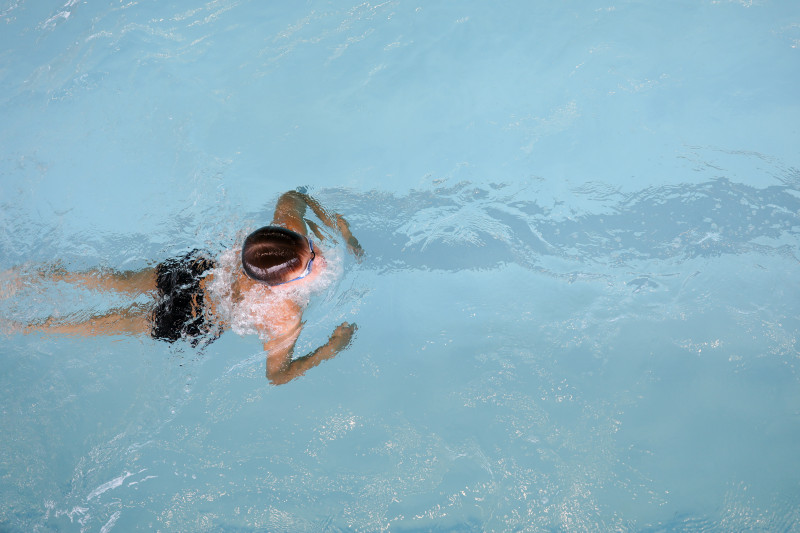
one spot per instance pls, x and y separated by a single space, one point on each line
291 208
352 243
282 369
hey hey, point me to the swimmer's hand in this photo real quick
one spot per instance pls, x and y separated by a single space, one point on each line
352 243
342 336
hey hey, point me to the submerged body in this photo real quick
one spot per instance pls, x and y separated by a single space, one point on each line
197 297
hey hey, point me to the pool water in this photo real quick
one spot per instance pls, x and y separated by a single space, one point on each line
579 304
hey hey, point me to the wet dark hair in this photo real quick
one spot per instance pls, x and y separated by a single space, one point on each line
273 254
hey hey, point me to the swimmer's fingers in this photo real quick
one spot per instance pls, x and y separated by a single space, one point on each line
352 243
345 328
356 249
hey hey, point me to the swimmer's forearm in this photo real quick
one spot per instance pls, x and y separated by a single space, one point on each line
352 242
303 200
289 370
334 221
301 365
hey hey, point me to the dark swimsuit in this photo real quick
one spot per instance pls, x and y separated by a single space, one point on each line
179 311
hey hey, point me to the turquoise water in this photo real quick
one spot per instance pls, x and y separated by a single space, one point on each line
579 305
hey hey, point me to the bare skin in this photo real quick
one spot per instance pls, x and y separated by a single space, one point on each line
283 326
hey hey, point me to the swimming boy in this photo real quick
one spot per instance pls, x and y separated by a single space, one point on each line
263 290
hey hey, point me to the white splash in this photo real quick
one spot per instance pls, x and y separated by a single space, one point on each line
111 521
108 485
244 316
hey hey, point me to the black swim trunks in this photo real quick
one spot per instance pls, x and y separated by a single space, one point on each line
179 311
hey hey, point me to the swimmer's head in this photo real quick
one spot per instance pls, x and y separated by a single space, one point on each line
275 255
